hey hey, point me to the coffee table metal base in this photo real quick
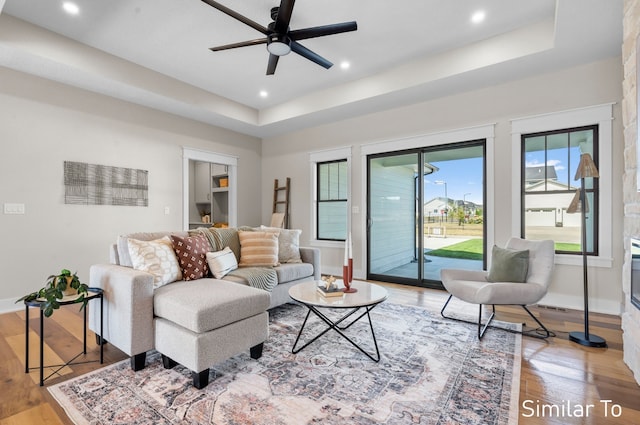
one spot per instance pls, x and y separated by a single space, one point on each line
335 325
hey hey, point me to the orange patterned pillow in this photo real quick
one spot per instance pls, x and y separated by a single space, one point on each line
192 255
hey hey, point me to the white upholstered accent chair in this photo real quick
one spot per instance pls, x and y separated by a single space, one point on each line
473 287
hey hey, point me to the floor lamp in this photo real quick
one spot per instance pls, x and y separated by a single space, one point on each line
586 168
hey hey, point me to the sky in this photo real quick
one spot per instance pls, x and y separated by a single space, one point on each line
464 176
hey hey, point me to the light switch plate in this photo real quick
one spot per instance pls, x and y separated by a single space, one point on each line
14 208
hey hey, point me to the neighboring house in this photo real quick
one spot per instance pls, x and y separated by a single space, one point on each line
537 173
543 210
436 207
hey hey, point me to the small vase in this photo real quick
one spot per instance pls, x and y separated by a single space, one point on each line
69 291
350 270
347 284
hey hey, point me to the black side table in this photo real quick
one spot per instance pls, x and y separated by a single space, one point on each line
93 293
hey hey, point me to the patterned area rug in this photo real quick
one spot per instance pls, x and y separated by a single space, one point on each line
432 371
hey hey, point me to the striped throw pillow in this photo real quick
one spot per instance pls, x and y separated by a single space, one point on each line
258 249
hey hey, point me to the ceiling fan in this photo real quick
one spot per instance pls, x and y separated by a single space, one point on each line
280 40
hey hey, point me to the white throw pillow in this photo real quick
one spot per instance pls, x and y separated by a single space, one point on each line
258 249
156 257
288 243
222 262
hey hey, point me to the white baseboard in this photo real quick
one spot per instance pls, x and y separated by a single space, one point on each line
9 305
574 302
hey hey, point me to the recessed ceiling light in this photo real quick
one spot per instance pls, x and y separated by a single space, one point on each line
264 93
345 65
478 17
70 8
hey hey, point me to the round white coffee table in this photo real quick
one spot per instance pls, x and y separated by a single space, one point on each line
369 295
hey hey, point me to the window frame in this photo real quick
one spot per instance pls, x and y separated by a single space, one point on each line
594 189
326 156
600 115
320 201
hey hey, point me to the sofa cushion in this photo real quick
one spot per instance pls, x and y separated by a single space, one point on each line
156 257
289 272
207 304
258 249
124 259
288 244
191 252
221 262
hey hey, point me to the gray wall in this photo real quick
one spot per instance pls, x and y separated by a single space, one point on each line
583 86
42 124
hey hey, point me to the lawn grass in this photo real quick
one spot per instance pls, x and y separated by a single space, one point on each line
468 250
472 249
567 247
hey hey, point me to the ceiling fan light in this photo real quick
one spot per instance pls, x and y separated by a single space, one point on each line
278 45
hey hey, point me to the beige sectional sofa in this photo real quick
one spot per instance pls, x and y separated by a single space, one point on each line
201 322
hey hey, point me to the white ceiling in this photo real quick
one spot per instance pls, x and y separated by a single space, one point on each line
155 53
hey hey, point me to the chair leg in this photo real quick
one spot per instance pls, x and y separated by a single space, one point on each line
138 361
445 306
547 332
481 329
200 379
256 351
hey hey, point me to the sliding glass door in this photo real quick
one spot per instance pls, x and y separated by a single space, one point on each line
393 205
426 212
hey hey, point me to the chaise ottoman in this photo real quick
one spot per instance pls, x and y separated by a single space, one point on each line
200 323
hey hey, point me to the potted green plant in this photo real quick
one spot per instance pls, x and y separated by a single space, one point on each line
57 286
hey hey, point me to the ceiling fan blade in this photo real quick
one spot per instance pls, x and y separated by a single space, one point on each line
238 16
273 62
284 16
312 56
323 30
239 44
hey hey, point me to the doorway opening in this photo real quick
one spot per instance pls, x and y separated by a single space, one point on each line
209 189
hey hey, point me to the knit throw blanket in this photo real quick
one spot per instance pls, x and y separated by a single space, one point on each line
257 277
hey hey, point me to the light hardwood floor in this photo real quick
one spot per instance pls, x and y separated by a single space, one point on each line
553 372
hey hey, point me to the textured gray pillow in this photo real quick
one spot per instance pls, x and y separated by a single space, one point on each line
508 265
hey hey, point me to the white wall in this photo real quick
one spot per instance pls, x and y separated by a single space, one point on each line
592 84
42 124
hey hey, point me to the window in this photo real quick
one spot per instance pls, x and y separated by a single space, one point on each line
331 191
549 163
331 195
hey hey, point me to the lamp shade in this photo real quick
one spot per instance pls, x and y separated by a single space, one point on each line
586 168
576 206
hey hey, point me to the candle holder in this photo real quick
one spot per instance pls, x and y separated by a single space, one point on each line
346 272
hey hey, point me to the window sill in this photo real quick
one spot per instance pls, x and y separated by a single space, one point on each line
326 244
576 260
